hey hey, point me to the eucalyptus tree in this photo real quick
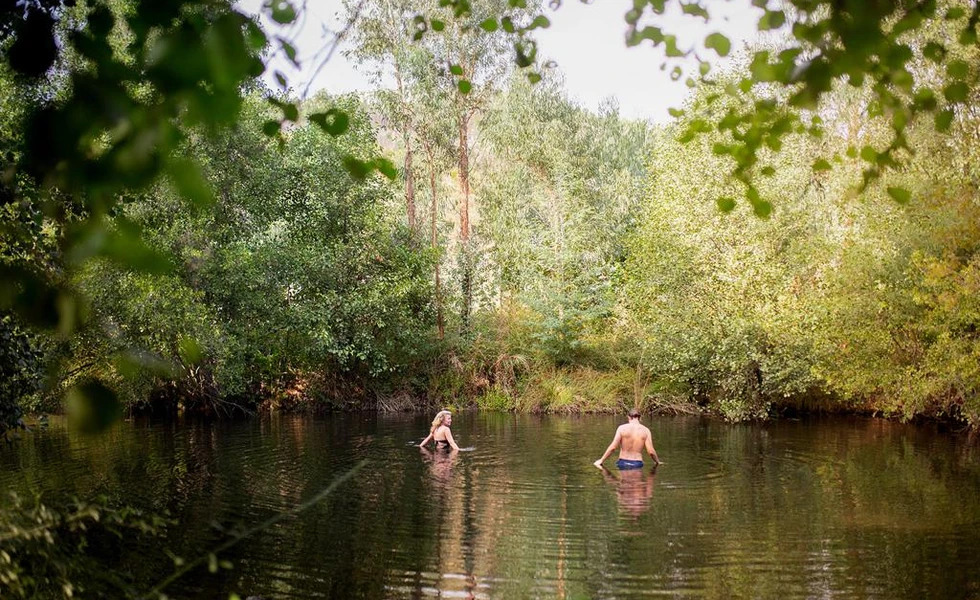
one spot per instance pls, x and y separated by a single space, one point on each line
472 57
434 132
382 36
562 189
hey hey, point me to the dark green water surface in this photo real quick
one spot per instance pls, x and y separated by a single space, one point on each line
820 508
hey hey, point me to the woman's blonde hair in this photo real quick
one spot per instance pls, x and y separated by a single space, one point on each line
440 416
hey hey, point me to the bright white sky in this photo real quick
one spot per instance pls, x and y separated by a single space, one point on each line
587 42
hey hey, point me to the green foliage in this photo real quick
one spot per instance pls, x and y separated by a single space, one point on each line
295 271
879 46
579 390
20 372
49 553
560 195
829 296
172 232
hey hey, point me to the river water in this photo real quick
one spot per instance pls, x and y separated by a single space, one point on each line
818 508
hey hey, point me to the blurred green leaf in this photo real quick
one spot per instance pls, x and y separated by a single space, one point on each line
772 19
190 350
464 86
695 10
900 195
489 25
957 69
539 22
357 168
334 121
190 182
386 168
281 11
956 92
255 36
943 120
289 50
132 362
719 43
726 204
124 244
271 128
956 12
821 164
290 111
92 407
934 51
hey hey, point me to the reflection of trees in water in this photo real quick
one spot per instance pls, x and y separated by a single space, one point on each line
562 537
452 489
523 517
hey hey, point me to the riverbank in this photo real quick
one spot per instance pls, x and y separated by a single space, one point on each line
534 389
580 390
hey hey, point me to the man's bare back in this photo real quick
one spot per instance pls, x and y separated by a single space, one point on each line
631 438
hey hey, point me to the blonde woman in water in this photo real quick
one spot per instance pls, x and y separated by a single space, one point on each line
440 431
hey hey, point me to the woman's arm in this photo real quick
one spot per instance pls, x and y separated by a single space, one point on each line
426 440
449 438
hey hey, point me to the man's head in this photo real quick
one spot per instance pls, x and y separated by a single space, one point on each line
633 414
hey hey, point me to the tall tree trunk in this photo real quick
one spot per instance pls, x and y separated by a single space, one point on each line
435 240
464 180
464 220
407 137
409 180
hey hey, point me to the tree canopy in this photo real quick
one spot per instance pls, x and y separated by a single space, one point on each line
169 223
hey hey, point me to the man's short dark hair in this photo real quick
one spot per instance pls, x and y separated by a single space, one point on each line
633 414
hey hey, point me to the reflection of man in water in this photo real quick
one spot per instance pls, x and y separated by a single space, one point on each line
631 438
634 487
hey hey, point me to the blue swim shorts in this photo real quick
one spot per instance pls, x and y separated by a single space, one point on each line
623 464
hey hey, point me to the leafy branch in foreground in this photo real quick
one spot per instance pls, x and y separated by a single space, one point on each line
108 93
211 558
47 553
901 51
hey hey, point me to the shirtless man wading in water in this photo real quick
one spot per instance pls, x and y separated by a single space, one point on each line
631 438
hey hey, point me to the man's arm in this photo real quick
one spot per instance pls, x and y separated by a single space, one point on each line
651 451
615 444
